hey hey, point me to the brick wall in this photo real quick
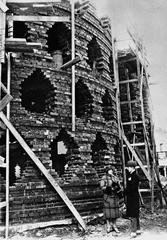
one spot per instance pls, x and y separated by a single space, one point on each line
31 197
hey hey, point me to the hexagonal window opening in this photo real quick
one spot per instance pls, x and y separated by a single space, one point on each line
62 149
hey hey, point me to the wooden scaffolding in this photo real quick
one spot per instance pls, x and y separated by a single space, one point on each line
134 113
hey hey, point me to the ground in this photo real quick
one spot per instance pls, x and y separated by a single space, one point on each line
154 227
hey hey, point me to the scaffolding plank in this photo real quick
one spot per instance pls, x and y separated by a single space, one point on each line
136 157
43 170
136 144
128 81
3 7
20 45
71 62
130 101
4 88
2 204
5 100
31 18
133 122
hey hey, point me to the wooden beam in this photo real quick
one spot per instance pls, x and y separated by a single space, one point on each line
3 7
130 101
2 204
30 226
133 122
43 170
21 45
136 144
5 100
33 18
2 34
73 66
8 55
71 62
4 88
136 157
128 81
127 59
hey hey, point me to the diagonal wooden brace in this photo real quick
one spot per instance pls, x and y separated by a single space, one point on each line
5 100
43 170
71 62
136 156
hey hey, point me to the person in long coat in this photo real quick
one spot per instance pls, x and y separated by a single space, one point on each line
111 190
132 198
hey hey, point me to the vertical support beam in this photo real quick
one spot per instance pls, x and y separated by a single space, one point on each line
130 107
2 31
116 77
73 67
152 187
0 77
7 148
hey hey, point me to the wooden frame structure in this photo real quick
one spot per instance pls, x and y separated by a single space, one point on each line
132 147
10 45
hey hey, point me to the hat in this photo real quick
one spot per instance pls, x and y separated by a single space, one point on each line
131 164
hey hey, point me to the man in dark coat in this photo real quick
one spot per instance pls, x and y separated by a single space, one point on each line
132 198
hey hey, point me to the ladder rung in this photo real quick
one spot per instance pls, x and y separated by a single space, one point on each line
136 144
144 190
2 204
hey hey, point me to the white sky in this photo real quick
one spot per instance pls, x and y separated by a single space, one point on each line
149 18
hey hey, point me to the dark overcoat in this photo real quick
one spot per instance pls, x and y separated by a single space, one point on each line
132 194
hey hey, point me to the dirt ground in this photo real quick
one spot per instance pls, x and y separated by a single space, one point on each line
154 227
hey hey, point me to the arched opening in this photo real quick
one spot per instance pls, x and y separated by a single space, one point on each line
99 149
59 42
35 91
107 106
83 100
94 55
62 150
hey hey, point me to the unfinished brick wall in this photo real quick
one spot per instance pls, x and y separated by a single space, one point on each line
82 160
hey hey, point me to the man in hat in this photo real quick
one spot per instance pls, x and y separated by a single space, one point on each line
132 201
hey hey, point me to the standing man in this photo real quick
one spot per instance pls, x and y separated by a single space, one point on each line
132 201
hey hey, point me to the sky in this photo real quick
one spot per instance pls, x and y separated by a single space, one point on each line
149 19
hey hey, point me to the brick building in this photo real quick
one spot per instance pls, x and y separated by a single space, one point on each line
41 112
